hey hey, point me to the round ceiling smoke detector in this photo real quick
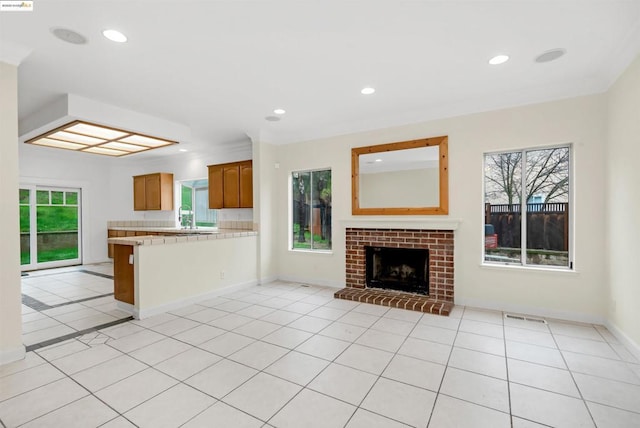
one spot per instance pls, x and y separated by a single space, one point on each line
69 36
551 55
272 118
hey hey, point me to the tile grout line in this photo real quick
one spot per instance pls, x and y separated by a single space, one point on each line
86 389
331 361
76 334
506 366
438 393
584 402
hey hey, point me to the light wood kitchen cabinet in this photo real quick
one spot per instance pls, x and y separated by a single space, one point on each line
153 192
246 184
123 274
216 188
231 185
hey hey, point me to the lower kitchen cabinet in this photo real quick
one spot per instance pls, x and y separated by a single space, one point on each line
123 276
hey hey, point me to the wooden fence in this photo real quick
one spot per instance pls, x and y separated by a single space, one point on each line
547 225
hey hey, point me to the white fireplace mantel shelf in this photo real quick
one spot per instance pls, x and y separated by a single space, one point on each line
393 222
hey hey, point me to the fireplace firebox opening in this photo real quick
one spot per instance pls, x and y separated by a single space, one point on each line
402 269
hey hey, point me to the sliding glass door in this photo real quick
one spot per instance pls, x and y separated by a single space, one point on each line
50 233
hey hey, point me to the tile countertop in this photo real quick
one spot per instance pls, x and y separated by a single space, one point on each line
172 229
188 236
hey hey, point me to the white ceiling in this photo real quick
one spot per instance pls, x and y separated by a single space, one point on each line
220 67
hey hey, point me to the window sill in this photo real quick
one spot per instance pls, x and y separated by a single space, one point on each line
302 250
499 266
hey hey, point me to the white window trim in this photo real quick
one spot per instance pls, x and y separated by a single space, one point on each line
523 243
290 236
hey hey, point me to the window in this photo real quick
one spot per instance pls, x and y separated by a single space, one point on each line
527 194
310 221
194 204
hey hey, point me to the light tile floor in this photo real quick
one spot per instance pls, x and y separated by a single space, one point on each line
289 355
58 288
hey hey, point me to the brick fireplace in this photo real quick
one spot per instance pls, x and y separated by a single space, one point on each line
438 242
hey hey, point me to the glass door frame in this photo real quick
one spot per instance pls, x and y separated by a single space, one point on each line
33 227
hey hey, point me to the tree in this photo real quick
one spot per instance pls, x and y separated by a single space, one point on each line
546 175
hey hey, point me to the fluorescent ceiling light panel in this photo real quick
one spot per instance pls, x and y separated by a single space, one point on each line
124 147
76 138
144 141
105 151
59 144
91 138
97 131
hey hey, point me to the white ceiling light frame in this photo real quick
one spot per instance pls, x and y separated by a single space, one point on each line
88 137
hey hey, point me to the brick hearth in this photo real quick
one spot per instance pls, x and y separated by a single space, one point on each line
440 246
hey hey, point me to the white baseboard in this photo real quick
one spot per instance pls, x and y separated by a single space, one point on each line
149 312
629 343
10 355
126 307
312 281
530 310
267 280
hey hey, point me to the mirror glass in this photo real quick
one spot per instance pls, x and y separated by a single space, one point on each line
404 178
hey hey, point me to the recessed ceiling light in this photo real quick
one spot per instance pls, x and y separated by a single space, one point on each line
551 55
114 36
367 91
279 111
378 160
499 59
182 150
69 36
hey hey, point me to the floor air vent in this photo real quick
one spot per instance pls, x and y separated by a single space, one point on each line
523 318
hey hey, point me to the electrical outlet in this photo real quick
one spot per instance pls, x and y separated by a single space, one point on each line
221 274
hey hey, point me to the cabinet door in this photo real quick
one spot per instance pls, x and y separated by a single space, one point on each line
216 187
123 278
111 234
152 191
231 183
139 198
246 184
166 191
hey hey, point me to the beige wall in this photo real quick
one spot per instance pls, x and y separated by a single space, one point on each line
581 121
623 202
265 197
168 276
408 188
11 347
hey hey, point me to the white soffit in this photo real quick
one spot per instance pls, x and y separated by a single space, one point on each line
70 107
13 53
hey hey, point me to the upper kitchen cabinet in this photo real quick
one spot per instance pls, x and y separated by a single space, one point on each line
153 192
231 185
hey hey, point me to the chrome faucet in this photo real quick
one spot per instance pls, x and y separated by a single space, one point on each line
190 219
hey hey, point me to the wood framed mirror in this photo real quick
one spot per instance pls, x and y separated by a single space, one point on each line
403 178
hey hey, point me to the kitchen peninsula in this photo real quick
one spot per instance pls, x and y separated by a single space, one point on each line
158 273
